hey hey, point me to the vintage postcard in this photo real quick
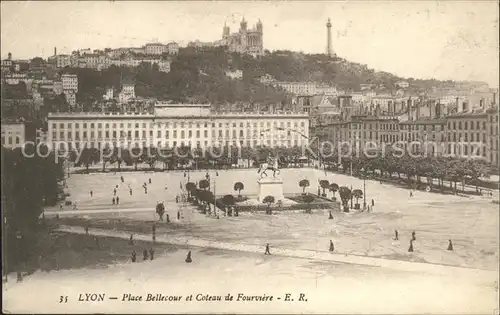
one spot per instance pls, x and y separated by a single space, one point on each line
303 157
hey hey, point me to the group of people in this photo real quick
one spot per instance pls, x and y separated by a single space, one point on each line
414 238
146 255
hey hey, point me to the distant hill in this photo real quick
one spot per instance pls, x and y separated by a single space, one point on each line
199 77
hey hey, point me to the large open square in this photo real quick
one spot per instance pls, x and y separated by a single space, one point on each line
364 242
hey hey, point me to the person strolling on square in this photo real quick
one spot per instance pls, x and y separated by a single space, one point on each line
332 248
267 252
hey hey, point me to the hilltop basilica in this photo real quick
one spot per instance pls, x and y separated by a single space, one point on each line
245 40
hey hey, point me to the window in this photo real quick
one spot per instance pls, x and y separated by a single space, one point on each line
137 133
107 134
197 133
144 125
144 133
234 125
190 134
241 133
182 133
92 125
61 125
84 135
54 126
99 134
166 134
175 136
129 134
484 125
220 133
205 133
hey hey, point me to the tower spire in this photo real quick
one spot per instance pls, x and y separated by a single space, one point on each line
329 50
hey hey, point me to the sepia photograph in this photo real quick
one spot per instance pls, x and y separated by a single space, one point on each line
235 157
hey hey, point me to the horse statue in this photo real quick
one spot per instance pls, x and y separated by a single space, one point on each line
270 165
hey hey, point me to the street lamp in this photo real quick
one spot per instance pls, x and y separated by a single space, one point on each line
364 187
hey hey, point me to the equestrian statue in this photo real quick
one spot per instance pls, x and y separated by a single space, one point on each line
270 165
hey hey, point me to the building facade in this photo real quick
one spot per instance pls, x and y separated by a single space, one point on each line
174 125
69 82
13 134
246 40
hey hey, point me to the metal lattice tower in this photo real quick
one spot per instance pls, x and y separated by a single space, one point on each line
329 50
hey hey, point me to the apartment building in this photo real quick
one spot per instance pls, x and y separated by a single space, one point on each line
176 125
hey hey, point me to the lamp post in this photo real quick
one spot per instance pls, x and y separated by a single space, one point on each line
189 178
364 187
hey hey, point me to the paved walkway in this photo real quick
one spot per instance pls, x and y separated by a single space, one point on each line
295 253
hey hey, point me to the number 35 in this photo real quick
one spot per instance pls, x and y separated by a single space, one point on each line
63 299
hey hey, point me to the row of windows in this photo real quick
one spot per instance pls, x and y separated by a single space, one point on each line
247 143
466 125
458 137
174 125
160 134
11 140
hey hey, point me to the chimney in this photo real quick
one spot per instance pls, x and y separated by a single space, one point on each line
465 107
432 104
408 108
377 110
417 115
9 56
438 110
494 99
457 104
481 103
55 51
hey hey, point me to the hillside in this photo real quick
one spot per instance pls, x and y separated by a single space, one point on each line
199 76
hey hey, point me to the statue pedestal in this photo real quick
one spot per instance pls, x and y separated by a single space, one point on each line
269 186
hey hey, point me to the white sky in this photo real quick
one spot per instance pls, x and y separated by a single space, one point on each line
422 39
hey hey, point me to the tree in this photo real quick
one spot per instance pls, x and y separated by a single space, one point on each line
345 196
28 184
106 157
308 199
238 186
190 187
324 184
160 210
136 156
304 184
357 193
204 184
150 156
229 201
333 188
88 157
268 200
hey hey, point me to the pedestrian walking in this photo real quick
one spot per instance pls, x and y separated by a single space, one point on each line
168 218
131 240
411 194
145 254
117 200
114 192
396 235
267 252
177 199
178 215
150 180
450 245
410 250
74 205
332 248
121 177
188 258
113 200
330 217
91 193
61 206
151 253
145 191
134 256
413 237
130 191
86 230
373 203
19 276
